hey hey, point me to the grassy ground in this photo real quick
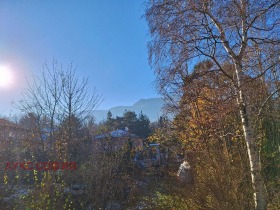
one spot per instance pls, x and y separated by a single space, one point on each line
160 189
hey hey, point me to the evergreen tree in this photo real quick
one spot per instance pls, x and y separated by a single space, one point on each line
110 121
142 128
73 136
138 125
109 115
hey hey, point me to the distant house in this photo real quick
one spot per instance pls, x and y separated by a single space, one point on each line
115 140
11 131
150 156
15 133
11 135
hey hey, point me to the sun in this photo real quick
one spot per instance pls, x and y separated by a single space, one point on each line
6 77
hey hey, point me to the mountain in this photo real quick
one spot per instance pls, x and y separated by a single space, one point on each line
152 107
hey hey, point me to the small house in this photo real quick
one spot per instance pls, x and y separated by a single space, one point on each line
115 140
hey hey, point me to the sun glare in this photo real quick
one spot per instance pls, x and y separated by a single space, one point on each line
6 77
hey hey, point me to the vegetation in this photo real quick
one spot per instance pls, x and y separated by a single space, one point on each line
138 125
217 64
48 155
217 67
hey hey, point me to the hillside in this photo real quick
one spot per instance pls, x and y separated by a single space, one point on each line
152 107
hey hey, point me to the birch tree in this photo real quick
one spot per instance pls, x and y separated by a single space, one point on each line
244 34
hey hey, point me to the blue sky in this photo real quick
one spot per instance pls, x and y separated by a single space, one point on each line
106 40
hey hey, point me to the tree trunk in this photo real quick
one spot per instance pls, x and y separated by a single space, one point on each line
260 193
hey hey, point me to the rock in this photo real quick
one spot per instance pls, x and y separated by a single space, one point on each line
184 173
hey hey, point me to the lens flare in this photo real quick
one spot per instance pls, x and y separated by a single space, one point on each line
6 77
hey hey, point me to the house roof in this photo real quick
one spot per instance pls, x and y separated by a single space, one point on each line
154 145
115 134
7 123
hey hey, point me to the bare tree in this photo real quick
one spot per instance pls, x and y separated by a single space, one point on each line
76 98
57 95
243 33
42 98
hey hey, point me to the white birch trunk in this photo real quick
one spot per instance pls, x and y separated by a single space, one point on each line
260 193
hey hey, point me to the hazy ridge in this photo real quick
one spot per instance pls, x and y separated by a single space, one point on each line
152 107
